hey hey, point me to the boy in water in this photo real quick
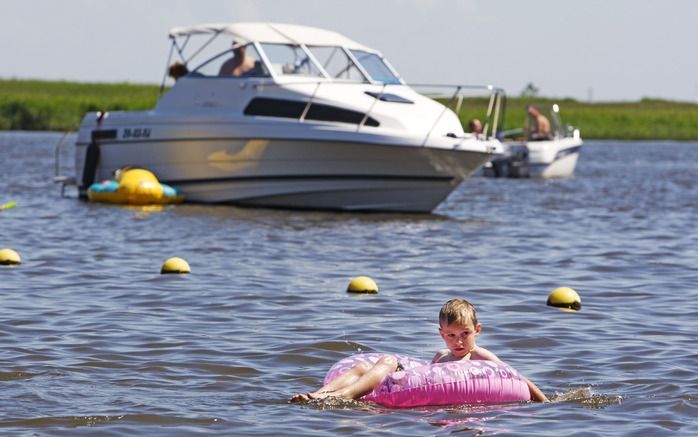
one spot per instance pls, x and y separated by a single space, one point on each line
459 329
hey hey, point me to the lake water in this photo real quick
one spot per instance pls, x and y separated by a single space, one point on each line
94 340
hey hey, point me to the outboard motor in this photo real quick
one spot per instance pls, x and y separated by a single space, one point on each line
89 170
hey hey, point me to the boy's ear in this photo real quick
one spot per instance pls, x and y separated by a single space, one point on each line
478 328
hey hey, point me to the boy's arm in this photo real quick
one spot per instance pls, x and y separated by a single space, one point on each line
536 394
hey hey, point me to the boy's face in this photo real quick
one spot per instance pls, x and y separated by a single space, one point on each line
459 339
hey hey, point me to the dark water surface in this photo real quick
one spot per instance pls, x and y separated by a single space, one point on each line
94 340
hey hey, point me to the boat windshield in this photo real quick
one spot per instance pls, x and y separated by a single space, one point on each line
296 60
375 67
286 59
242 61
337 63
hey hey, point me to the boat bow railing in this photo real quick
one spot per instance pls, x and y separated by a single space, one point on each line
494 106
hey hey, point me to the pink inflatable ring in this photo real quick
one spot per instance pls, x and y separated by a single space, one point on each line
453 383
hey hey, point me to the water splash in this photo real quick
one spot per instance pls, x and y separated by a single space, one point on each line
586 397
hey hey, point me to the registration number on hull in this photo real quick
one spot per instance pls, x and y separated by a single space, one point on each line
137 132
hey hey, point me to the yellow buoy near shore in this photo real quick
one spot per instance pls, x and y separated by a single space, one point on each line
175 265
565 298
9 257
362 284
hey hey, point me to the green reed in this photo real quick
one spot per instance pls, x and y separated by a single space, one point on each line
643 120
45 105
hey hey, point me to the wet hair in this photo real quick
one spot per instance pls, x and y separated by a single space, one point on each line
177 70
458 311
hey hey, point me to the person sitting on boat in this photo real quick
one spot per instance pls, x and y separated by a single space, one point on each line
538 124
239 64
475 126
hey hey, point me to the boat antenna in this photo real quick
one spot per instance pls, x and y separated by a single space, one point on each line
555 113
504 112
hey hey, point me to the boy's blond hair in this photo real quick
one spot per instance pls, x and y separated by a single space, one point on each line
458 311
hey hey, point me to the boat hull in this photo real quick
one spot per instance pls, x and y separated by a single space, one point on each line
536 159
295 173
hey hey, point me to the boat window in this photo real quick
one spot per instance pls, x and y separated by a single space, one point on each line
243 61
337 63
287 59
294 109
376 68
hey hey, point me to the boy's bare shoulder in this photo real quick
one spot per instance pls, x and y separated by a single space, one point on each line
440 355
480 353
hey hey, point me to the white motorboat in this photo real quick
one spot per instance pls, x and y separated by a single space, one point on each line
315 120
553 156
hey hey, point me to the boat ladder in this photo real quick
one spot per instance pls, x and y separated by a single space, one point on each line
57 178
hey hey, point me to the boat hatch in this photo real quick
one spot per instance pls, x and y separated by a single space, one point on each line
389 97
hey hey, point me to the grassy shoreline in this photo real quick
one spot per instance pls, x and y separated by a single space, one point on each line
59 106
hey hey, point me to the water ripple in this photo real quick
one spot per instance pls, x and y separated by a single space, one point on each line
94 339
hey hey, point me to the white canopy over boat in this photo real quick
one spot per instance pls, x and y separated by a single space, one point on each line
273 33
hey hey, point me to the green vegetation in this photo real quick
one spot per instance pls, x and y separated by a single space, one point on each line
41 105
643 120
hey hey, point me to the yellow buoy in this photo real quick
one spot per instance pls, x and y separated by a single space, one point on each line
175 265
565 298
9 257
7 205
362 284
133 187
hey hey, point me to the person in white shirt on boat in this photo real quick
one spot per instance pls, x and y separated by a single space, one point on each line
538 125
239 64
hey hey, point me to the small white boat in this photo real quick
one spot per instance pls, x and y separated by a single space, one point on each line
315 120
554 156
